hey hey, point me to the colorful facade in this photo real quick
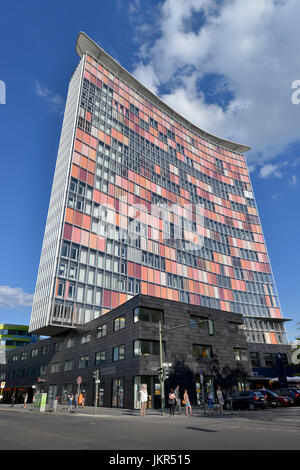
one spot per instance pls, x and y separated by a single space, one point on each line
14 336
145 202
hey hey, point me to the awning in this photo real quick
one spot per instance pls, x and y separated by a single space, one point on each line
289 379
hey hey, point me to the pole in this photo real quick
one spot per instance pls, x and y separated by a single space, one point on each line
96 390
162 388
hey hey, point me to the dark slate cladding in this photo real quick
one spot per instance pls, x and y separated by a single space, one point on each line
178 348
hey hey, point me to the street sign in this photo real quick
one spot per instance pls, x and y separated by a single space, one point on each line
79 380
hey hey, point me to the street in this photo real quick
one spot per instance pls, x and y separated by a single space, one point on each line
118 429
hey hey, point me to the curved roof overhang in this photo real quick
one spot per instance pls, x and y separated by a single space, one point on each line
85 44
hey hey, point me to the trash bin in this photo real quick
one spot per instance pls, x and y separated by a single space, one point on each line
54 406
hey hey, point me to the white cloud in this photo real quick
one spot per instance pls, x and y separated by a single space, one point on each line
270 170
293 180
14 297
252 45
55 101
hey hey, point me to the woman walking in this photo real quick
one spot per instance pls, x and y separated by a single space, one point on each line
25 399
220 399
186 402
172 402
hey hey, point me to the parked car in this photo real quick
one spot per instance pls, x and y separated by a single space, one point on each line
274 400
270 397
246 400
293 393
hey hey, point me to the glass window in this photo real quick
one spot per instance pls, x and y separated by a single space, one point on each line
83 255
194 319
70 343
147 314
145 348
23 355
58 346
83 362
65 251
73 272
118 392
63 268
119 353
60 289
240 354
100 358
102 331
85 338
119 323
74 252
255 359
202 351
34 352
269 359
69 365
55 367
45 349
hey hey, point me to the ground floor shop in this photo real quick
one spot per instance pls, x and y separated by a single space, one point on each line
123 392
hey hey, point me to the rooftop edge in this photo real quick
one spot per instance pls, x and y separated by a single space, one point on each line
85 44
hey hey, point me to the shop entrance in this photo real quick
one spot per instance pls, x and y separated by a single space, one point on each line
153 388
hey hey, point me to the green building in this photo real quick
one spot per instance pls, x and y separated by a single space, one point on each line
13 336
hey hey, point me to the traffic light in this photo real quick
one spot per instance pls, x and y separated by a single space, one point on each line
211 327
96 375
160 373
166 373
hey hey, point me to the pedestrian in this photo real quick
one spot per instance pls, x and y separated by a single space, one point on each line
70 401
220 399
172 402
178 400
143 398
76 400
25 399
210 400
13 399
80 399
187 403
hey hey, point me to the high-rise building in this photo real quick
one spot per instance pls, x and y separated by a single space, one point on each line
143 201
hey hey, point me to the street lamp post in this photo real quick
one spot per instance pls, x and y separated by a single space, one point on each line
96 378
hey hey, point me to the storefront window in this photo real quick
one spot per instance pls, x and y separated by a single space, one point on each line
118 393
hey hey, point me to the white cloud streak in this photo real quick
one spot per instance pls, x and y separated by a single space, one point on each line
54 100
14 297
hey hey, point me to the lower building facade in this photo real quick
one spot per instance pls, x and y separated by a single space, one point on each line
123 346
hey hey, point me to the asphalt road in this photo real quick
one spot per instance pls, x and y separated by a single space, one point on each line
269 430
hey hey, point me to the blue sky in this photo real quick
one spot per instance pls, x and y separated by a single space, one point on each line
226 65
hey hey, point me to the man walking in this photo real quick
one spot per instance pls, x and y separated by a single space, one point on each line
13 399
70 401
178 400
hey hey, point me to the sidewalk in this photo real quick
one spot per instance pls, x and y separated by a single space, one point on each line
90 410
